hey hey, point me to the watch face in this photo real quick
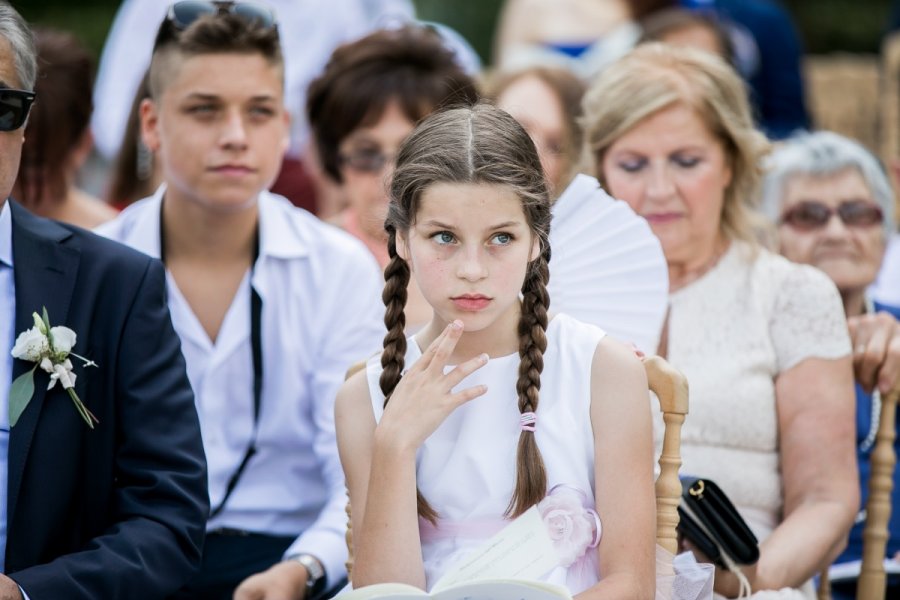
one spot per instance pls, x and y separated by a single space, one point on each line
315 580
313 568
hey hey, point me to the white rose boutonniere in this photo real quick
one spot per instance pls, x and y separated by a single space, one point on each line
49 348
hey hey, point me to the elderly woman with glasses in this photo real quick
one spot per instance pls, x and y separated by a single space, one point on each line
360 109
833 206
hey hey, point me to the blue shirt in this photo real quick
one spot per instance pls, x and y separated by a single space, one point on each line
7 332
853 551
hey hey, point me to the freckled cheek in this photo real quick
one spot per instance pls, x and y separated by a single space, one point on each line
435 268
512 276
511 283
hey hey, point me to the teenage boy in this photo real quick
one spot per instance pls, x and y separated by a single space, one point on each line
271 305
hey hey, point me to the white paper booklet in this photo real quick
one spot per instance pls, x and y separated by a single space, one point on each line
503 568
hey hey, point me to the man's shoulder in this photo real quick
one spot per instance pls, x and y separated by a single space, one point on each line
103 259
100 250
96 252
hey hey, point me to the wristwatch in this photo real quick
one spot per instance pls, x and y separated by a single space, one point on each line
315 574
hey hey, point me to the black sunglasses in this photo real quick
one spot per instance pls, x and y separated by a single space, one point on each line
811 215
14 107
183 14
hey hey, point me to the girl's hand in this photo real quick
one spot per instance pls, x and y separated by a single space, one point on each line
423 398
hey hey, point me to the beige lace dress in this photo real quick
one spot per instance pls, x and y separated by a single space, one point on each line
731 333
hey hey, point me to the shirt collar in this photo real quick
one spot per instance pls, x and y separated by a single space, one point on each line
143 233
278 232
6 254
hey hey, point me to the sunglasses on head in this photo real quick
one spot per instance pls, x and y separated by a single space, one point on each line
810 215
365 161
183 14
14 107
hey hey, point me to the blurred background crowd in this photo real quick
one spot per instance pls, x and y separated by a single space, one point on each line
557 66
845 64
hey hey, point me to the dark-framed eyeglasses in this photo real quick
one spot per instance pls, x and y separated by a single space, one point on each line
810 215
14 107
366 161
183 14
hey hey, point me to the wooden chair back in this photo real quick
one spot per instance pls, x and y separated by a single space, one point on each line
872 577
671 387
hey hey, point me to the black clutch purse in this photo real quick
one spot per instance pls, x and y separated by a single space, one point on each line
709 520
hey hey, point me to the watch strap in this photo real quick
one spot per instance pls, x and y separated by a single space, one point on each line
315 574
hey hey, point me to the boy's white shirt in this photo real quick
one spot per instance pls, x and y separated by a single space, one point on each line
322 312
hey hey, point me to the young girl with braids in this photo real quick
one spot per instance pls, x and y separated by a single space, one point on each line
496 405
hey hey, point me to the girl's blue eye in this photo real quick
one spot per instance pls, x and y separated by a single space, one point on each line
443 237
502 239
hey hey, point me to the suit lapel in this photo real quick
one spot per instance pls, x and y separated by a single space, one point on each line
45 270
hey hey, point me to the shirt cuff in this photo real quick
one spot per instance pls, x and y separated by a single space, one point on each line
322 545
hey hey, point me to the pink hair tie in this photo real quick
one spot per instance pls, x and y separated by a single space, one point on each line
527 421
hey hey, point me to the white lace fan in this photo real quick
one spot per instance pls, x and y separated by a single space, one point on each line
606 266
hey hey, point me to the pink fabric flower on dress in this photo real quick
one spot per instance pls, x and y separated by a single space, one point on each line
572 522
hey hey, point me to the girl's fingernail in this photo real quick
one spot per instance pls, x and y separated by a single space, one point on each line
483 358
457 324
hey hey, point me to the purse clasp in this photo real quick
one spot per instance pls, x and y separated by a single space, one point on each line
697 489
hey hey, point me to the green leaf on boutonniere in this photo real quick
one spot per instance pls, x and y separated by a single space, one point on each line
46 319
20 395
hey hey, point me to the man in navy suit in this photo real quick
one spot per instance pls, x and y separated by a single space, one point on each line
117 511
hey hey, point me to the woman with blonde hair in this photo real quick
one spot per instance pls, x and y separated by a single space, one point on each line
763 342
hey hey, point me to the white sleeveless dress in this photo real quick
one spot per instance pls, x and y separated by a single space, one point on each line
466 468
